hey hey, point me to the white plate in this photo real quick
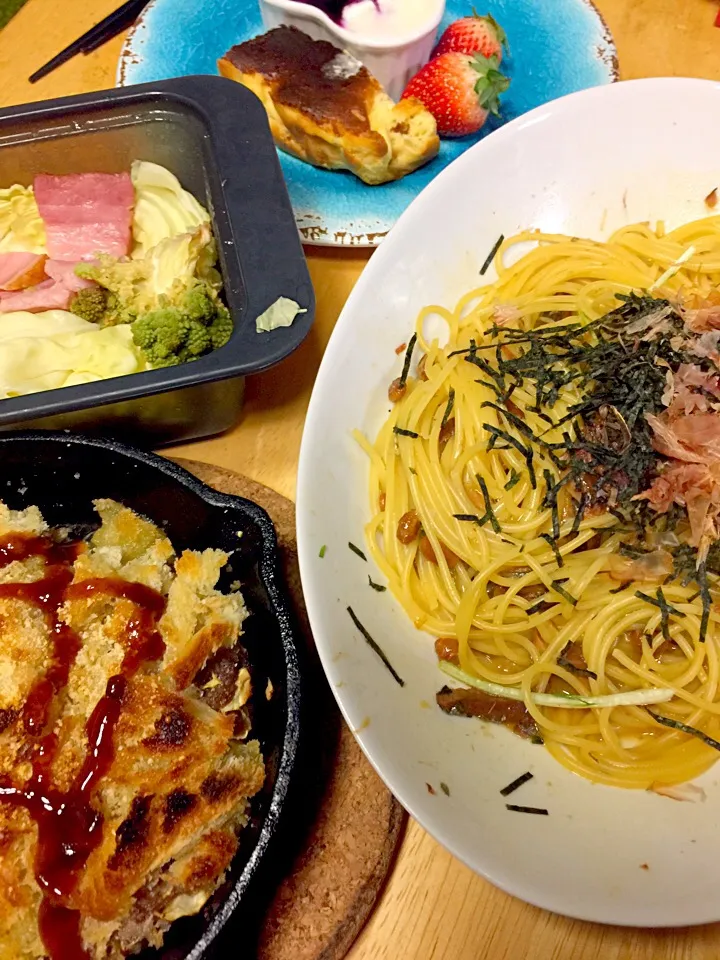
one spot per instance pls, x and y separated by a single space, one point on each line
585 164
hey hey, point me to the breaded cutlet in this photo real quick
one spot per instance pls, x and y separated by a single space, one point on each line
163 815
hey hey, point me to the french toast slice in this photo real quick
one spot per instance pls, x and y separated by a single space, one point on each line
327 109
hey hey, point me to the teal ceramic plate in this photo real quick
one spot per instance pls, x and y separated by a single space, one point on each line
556 47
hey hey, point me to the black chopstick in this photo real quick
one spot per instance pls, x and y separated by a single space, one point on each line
108 28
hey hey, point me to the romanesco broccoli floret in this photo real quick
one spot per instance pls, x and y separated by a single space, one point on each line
90 304
177 333
127 280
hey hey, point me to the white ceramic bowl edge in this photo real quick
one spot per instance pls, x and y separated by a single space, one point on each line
557 168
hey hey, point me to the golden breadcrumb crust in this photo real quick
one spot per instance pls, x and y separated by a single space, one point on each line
178 787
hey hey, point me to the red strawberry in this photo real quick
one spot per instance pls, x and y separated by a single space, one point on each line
459 91
474 34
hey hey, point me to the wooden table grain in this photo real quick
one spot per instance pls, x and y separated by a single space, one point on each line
433 907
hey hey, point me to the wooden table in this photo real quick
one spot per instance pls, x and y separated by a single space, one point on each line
433 907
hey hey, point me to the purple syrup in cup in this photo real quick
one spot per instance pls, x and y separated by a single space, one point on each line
334 8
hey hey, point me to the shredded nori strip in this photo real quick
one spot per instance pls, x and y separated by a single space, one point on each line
408 359
514 479
665 609
706 600
448 408
357 551
526 452
562 661
468 517
685 728
536 607
621 587
376 586
516 808
491 256
516 784
556 585
554 547
489 512
375 648
401 432
584 500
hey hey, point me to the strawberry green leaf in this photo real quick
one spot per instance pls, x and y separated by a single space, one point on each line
492 22
499 32
490 84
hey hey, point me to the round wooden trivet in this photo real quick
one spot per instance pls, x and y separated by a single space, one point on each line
351 824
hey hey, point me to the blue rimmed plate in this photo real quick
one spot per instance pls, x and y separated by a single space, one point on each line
556 47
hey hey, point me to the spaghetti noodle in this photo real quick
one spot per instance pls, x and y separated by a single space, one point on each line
543 504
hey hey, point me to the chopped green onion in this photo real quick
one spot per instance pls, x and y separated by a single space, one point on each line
628 698
672 269
445 789
323 551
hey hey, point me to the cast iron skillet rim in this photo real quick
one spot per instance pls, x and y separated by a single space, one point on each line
270 573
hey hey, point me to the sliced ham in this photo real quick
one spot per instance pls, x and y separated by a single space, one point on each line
64 272
20 270
86 214
48 295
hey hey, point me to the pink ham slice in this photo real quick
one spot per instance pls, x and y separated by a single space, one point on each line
86 214
20 270
64 272
47 295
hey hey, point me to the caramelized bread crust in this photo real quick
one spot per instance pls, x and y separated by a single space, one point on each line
182 770
326 108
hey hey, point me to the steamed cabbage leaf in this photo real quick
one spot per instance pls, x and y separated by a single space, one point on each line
35 356
163 209
21 228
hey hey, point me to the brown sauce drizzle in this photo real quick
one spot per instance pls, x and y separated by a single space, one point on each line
69 826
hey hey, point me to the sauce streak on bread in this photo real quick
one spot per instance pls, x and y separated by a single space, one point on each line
69 826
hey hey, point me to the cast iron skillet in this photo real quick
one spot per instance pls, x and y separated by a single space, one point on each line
62 474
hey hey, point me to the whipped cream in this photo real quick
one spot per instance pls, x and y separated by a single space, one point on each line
386 19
